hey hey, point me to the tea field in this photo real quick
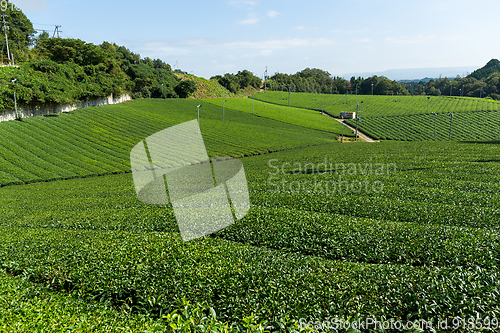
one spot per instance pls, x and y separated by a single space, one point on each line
403 230
97 141
378 106
406 118
296 116
477 126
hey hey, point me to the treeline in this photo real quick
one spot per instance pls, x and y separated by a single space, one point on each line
484 82
70 70
318 81
237 82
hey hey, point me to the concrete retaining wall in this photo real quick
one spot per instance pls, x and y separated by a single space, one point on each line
28 111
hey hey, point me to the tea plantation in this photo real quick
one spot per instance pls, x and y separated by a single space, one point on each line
465 126
97 141
405 118
402 230
377 106
302 117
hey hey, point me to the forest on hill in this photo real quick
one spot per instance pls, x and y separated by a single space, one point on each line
484 82
55 71
51 71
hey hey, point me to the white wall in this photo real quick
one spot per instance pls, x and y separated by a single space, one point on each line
28 111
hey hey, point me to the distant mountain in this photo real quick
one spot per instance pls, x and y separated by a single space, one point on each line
425 79
491 67
412 74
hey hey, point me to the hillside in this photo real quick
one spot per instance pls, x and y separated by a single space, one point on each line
212 88
97 141
493 66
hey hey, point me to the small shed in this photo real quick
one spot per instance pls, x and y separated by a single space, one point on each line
348 115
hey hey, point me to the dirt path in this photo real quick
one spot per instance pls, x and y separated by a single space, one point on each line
360 134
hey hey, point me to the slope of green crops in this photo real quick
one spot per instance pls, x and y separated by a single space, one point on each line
30 307
424 247
97 141
375 106
466 126
301 117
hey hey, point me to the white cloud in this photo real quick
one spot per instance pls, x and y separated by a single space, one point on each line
272 13
264 47
252 19
277 44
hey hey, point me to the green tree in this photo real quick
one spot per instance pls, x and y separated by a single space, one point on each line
20 35
185 88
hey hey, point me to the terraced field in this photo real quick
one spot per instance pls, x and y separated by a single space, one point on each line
465 126
378 106
97 141
419 240
296 116
408 118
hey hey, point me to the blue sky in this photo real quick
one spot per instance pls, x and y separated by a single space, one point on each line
213 37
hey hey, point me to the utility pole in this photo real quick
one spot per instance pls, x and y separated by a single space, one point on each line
18 117
451 123
357 119
198 108
265 79
5 28
289 92
265 87
56 30
435 115
342 139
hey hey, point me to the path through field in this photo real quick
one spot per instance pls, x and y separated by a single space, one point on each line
360 134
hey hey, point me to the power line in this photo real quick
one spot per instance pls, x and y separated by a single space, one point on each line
49 25
56 30
5 28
